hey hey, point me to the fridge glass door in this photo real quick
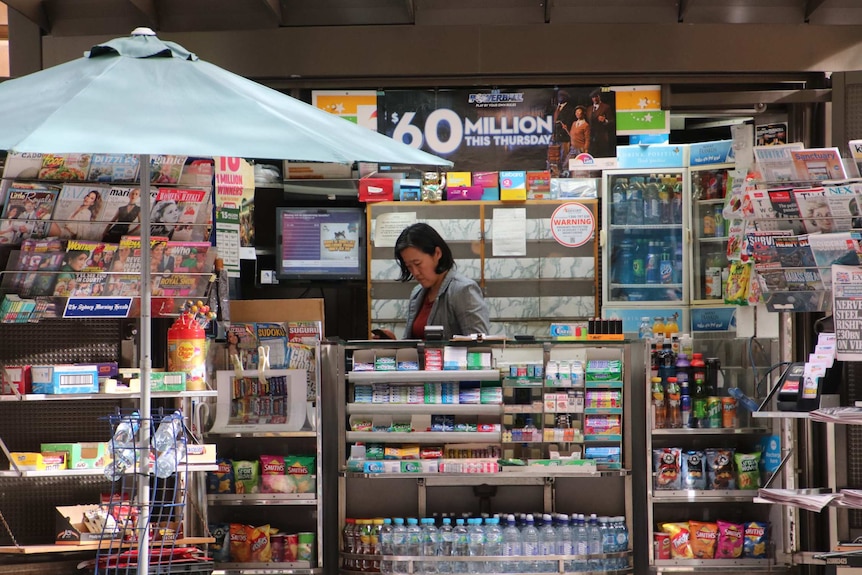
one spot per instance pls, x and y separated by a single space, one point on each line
709 187
645 240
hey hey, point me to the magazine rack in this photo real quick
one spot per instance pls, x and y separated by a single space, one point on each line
145 507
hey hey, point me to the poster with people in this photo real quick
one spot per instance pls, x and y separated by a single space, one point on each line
505 129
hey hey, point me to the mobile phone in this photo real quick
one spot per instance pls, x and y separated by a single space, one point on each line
380 333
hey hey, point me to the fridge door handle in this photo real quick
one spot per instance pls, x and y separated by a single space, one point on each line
603 236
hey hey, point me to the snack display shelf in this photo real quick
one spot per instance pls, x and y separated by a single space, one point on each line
425 408
87 546
780 415
712 431
703 496
111 396
603 410
599 438
262 499
713 240
423 376
716 565
425 436
604 385
81 472
502 478
287 568
284 434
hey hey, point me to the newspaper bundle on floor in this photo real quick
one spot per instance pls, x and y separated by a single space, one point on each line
846 415
811 502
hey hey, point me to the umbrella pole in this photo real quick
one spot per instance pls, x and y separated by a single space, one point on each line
146 364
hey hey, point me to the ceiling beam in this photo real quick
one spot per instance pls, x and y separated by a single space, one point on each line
149 11
275 8
33 10
811 7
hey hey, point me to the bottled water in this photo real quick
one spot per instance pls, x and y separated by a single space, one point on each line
384 544
460 548
414 541
475 544
429 546
580 543
170 428
446 548
622 541
399 545
565 544
547 543
512 545
123 446
594 538
530 545
609 541
169 460
493 544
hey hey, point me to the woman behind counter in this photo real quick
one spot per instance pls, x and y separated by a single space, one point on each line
443 297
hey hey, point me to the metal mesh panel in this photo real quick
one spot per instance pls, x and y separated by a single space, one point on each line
853 111
28 504
853 383
60 341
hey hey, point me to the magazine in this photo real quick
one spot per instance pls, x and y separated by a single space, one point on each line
794 251
818 164
65 167
832 249
814 210
843 204
786 209
775 162
30 204
806 279
128 260
122 213
758 208
78 214
166 169
99 254
855 153
179 285
80 284
22 165
39 256
190 264
187 257
181 214
761 245
113 168
198 172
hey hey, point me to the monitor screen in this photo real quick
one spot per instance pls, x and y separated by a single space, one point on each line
321 243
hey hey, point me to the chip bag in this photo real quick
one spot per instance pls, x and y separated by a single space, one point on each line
272 478
693 470
756 539
729 540
719 468
747 470
240 546
666 467
680 545
221 480
261 547
221 548
703 538
246 476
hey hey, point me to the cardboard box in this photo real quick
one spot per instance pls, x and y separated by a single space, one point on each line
48 460
513 186
167 381
70 526
60 379
201 453
90 455
15 377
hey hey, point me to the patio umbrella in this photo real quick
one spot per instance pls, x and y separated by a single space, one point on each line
144 96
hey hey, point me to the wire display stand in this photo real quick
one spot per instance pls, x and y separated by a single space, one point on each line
144 512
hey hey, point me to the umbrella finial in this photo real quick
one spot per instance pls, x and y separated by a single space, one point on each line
143 31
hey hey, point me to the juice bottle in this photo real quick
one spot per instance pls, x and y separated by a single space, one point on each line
658 329
673 393
658 403
670 326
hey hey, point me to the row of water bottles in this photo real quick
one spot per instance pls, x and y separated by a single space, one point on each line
580 542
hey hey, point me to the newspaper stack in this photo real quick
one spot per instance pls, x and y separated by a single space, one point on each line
812 502
845 415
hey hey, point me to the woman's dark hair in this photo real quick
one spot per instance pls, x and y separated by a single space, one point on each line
425 239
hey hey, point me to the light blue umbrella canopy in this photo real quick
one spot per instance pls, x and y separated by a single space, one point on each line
142 95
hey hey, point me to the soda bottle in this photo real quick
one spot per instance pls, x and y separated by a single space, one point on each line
635 203
653 274
659 408
698 402
625 269
665 266
673 403
639 263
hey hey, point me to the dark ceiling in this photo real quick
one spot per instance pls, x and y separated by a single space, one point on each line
88 17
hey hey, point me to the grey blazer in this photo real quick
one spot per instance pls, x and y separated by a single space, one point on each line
459 307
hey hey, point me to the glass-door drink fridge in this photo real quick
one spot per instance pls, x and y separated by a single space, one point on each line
646 223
